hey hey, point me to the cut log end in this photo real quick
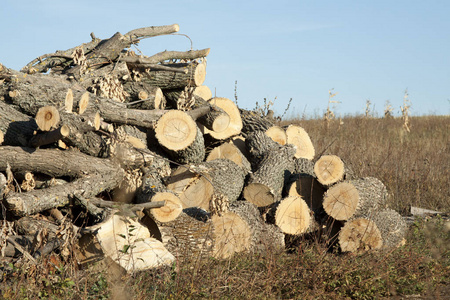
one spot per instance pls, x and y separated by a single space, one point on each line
341 201
176 130
360 235
68 102
235 123
293 215
168 212
199 74
277 134
297 136
232 235
47 118
259 194
83 104
221 123
329 169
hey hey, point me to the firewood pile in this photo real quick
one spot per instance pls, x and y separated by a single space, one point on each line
107 153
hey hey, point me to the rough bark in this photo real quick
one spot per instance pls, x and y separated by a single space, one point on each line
258 143
144 95
392 227
172 80
253 121
355 198
265 185
17 127
201 183
264 237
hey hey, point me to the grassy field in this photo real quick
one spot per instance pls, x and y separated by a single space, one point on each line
415 168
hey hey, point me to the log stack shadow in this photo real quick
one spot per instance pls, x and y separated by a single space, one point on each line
105 153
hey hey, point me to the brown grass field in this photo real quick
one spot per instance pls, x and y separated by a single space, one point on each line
415 168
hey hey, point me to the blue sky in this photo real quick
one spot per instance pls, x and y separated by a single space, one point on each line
365 50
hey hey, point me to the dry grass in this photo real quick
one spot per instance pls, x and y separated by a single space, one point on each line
414 167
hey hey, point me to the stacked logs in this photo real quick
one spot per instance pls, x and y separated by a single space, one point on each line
112 154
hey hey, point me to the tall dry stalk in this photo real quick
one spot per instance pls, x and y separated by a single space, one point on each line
329 114
405 111
388 109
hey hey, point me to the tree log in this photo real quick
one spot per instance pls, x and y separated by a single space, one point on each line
355 198
144 96
292 215
189 236
17 127
308 188
264 237
231 152
235 123
330 169
360 235
180 137
392 227
266 183
277 134
258 143
201 183
253 121
297 136
173 80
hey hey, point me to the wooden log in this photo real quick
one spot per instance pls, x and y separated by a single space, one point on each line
304 166
277 134
21 204
232 235
153 189
392 227
330 169
17 127
172 80
253 121
126 242
235 123
180 137
152 61
355 198
258 143
49 137
360 235
265 185
189 236
308 188
264 237
144 96
47 118
292 215
207 181
297 136
106 174
231 152
176 97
